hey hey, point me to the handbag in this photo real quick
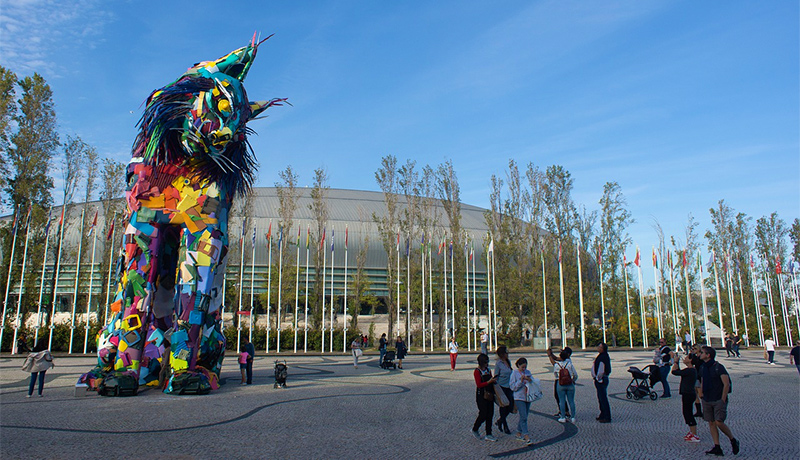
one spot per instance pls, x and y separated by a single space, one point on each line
488 394
358 352
534 391
501 398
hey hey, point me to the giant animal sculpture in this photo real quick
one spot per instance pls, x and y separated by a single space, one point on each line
190 159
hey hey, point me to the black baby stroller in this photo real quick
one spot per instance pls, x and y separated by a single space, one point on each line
388 361
281 372
640 385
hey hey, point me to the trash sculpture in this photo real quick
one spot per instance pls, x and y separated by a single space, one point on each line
190 159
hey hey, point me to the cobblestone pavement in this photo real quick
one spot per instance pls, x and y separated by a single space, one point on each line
331 410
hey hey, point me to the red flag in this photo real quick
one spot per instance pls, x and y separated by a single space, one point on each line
110 231
322 241
655 259
559 252
777 265
61 219
345 237
636 260
684 258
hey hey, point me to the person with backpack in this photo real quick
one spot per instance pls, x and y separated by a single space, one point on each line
519 384
600 370
37 363
688 377
553 360
566 376
716 385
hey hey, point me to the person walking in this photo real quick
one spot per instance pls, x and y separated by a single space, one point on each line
355 348
502 371
769 350
484 342
382 347
243 357
566 376
37 363
453 349
737 342
716 385
484 398
729 346
519 385
794 357
663 359
400 349
600 371
251 351
688 394
687 341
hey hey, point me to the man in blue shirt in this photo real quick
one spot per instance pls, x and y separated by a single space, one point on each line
716 385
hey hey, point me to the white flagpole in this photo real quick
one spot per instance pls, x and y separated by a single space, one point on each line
642 311
77 279
676 323
627 300
269 282
324 270
241 284
731 298
658 295
759 324
719 301
297 289
305 315
398 282
580 297
688 299
446 308
787 325
475 315
408 290
430 286
744 313
8 279
58 269
466 283
18 322
489 295
703 297
561 294
494 299
89 300
453 284
252 284
278 321
110 264
544 296
771 306
333 255
344 308
602 294
41 283
423 306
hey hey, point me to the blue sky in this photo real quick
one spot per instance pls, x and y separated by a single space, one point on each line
682 103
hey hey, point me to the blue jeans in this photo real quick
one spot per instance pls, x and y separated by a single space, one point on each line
664 373
566 393
522 407
33 382
484 348
383 352
602 399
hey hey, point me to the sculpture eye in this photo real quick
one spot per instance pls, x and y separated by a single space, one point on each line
224 106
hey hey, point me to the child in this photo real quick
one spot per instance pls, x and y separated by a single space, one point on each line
519 378
243 357
688 393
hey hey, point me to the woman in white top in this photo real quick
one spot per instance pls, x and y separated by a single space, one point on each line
453 348
355 347
566 384
519 378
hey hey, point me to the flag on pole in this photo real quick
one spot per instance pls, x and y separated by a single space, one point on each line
308 237
244 229
108 235
684 258
624 261
322 240
345 237
441 247
559 252
636 260
269 232
280 237
16 221
254 238
333 239
298 237
398 241
655 258
491 248
61 219
471 250
407 246
47 227
94 224
777 265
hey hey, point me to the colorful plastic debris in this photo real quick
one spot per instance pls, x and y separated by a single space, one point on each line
189 161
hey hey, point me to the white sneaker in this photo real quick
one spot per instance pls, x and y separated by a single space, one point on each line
27 396
490 438
476 434
562 420
572 420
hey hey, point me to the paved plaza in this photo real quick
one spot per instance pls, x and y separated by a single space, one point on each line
331 410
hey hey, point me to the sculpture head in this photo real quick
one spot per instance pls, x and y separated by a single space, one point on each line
200 120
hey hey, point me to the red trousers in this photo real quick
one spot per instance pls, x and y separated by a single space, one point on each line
453 357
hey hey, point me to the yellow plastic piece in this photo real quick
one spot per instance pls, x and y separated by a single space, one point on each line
122 346
128 325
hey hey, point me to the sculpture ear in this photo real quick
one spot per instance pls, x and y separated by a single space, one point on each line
256 108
